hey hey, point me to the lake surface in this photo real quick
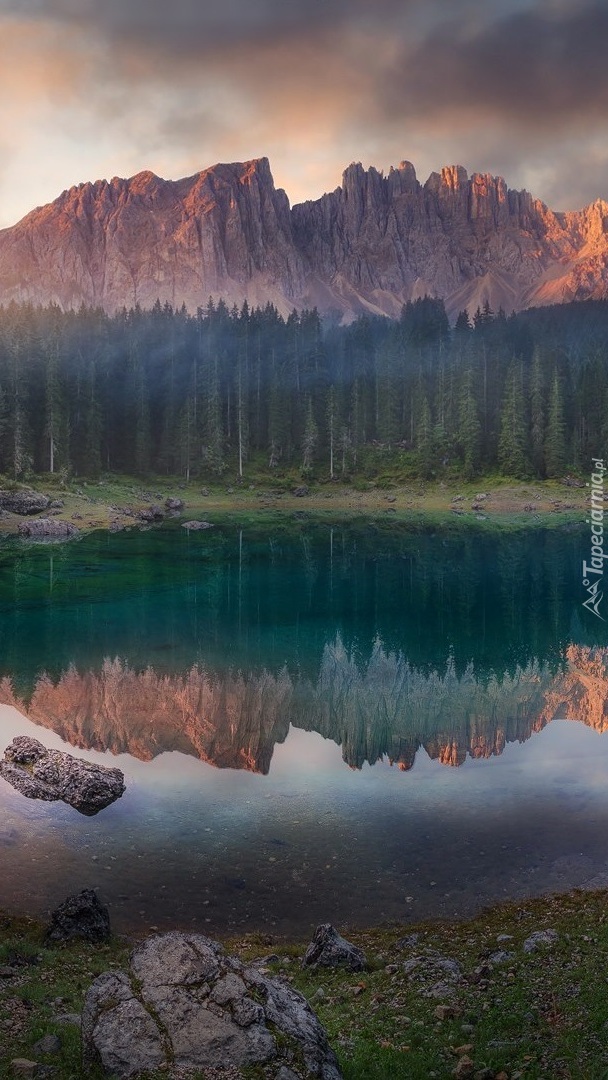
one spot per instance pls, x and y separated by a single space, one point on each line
315 724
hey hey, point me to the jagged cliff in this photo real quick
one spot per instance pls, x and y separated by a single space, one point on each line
371 245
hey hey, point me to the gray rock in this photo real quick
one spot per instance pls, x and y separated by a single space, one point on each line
80 917
118 1033
151 513
50 775
407 942
24 502
449 968
538 938
301 491
68 1018
174 504
48 529
329 949
500 957
48 1044
23 1067
196 526
185 1004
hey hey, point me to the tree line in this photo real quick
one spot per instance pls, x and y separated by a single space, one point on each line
168 392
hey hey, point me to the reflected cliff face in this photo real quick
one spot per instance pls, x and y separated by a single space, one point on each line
382 639
383 708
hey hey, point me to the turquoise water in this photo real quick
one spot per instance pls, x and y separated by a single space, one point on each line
315 723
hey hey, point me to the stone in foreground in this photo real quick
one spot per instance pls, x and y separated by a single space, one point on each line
50 775
80 917
329 949
185 1004
538 938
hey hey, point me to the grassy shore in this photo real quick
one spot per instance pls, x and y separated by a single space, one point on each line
117 501
537 1015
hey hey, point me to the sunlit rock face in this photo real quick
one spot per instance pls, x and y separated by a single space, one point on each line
224 232
383 708
373 244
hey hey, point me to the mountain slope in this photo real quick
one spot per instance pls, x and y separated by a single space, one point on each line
371 245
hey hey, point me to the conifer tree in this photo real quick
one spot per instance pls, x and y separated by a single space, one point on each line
555 439
469 428
513 457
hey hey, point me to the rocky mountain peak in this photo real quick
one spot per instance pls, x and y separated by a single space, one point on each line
371 245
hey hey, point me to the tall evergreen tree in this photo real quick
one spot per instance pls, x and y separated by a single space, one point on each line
555 439
469 428
513 456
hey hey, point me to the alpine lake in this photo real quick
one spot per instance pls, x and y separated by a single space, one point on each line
350 724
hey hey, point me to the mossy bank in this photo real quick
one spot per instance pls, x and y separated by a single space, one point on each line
436 1000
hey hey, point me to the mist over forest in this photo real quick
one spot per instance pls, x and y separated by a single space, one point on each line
220 393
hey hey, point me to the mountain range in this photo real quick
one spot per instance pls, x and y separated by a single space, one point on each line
373 244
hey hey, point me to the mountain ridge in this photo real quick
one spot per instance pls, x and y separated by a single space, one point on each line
374 243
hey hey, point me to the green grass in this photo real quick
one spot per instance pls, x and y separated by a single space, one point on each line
539 1016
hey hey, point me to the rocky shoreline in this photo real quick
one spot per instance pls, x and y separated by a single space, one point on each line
116 506
515 993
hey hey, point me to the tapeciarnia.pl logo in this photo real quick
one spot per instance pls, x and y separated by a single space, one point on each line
593 571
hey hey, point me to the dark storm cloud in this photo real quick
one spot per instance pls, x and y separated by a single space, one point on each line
191 25
525 61
516 87
546 65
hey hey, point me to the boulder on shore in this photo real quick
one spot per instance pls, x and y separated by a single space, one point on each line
186 1005
50 775
329 949
151 513
80 917
48 529
24 502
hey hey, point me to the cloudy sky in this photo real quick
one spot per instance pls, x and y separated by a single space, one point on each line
99 88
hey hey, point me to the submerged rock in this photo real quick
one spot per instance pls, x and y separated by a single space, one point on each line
80 917
329 949
185 1004
196 526
50 775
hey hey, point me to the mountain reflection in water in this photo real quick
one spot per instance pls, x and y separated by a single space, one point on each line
230 674
383 707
